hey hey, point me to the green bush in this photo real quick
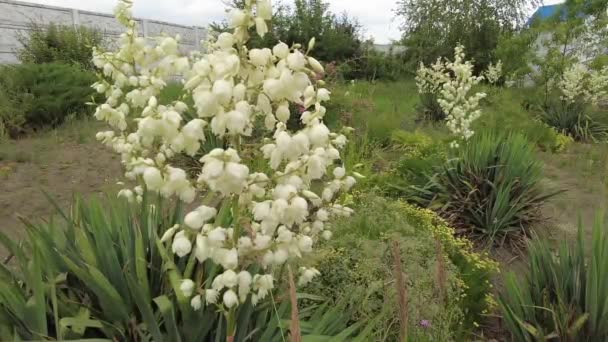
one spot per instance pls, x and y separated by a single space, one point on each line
576 119
358 266
492 187
59 43
100 271
373 65
43 94
564 295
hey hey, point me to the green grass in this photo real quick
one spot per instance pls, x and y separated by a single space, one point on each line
375 109
378 110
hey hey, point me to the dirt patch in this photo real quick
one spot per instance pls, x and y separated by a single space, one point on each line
63 163
581 173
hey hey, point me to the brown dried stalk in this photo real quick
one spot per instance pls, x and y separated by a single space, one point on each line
402 292
294 327
441 273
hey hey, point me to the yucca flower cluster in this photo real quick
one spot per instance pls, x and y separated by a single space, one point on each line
244 98
580 83
493 73
452 82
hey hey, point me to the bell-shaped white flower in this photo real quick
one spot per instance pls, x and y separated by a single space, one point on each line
181 244
230 299
187 287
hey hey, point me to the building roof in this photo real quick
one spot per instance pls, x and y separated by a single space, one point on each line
545 12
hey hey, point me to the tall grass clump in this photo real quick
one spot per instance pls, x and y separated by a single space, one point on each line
491 188
564 295
100 271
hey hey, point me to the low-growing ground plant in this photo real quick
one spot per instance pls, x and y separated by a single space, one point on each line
492 187
359 267
419 158
564 294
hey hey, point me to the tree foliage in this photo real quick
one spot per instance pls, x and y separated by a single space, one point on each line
575 33
433 28
58 43
338 36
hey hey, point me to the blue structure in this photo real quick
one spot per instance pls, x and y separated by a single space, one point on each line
545 12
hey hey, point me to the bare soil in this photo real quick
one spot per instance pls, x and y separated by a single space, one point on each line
62 162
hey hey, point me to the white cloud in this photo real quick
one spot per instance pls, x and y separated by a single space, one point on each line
376 16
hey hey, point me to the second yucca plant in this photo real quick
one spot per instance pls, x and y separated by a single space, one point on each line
492 187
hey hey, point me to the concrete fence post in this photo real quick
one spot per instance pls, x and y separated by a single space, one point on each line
144 24
75 18
197 38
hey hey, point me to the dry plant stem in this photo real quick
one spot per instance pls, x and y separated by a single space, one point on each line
294 328
441 273
401 291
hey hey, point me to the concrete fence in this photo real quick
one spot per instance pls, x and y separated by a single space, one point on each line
15 17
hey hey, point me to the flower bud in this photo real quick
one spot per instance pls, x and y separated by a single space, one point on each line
196 302
315 65
187 287
230 299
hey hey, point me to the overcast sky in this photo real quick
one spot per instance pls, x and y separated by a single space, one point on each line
376 16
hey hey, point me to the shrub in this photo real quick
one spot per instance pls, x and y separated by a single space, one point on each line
564 295
575 119
12 118
102 272
372 65
59 43
359 268
359 264
43 94
492 187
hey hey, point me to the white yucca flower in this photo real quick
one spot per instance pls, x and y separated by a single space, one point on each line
277 216
494 72
580 83
452 82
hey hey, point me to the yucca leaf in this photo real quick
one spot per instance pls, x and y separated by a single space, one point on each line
144 305
35 307
107 296
168 313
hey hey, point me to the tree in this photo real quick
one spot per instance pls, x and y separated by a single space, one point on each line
338 36
576 33
433 28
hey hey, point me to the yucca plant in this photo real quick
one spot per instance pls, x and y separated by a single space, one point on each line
492 187
430 108
576 120
100 271
564 296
